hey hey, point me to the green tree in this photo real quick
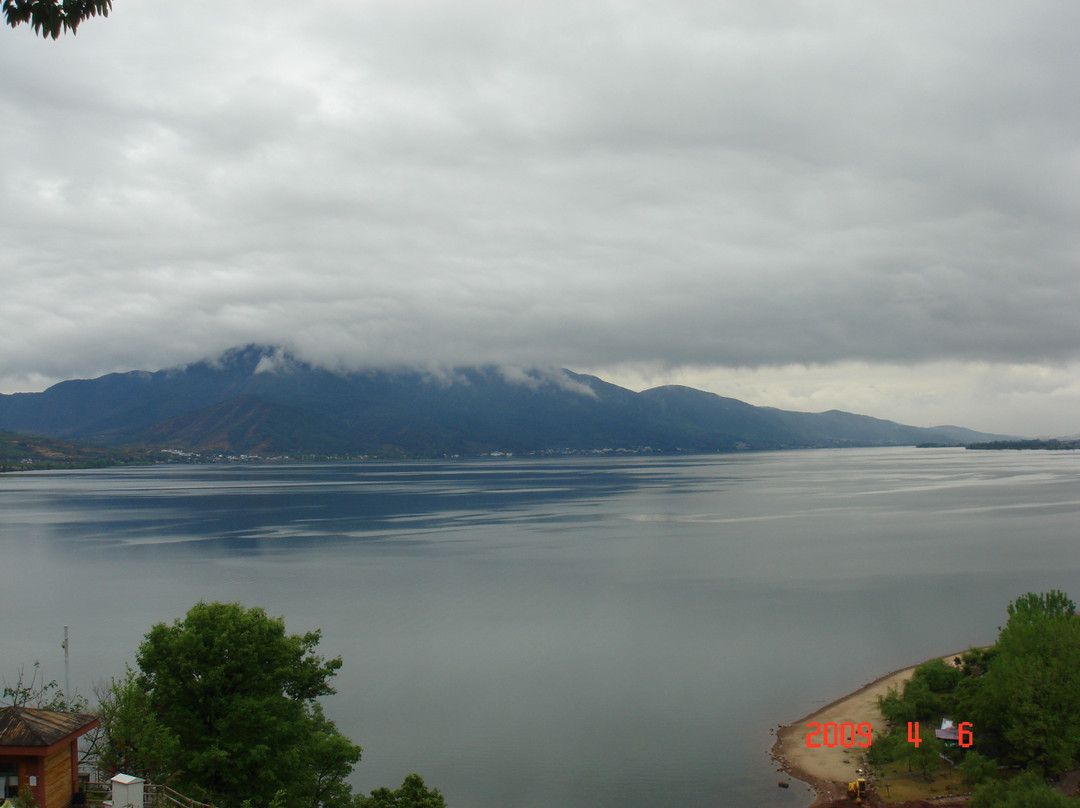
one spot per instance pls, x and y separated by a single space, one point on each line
939 675
925 704
926 757
1027 704
332 757
1025 791
975 661
926 696
412 794
976 769
887 747
132 740
238 696
51 17
1032 607
895 708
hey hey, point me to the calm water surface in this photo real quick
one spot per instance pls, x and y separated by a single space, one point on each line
560 633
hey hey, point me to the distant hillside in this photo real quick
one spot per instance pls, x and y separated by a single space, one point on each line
259 400
28 453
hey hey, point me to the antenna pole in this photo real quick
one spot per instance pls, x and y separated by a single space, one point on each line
67 677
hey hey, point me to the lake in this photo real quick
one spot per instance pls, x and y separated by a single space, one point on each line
561 633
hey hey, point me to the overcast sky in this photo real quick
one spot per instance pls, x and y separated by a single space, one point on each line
868 206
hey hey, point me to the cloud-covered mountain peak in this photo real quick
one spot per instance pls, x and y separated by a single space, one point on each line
263 399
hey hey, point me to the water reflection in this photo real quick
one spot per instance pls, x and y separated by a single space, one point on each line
556 633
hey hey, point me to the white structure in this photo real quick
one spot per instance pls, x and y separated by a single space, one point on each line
127 791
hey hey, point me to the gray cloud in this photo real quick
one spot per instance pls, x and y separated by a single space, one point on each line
677 185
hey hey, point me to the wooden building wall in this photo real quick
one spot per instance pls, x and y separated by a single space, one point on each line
58 785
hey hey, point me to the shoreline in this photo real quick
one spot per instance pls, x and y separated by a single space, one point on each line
828 770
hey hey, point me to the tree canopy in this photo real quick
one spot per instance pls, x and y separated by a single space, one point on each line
1027 790
412 794
1033 608
230 709
53 17
1027 704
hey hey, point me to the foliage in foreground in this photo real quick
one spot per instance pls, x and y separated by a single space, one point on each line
1028 790
412 794
51 17
224 706
136 742
40 694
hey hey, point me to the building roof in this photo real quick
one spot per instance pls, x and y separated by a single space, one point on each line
26 726
947 734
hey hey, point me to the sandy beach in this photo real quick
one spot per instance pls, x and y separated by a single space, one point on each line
828 770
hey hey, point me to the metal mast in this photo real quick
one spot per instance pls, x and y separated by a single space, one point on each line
67 676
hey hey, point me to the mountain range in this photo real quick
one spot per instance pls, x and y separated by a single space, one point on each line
260 400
